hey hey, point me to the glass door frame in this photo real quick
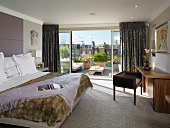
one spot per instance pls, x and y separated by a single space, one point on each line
110 73
113 48
112 39
70 43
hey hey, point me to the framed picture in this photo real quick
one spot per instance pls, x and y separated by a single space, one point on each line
162 38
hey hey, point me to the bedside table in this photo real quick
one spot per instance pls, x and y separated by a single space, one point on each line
44 69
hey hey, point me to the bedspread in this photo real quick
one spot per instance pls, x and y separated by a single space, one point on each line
49 109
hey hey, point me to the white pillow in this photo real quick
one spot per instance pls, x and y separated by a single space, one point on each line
11 68
25 64
11 72
3 76
2 56
9 62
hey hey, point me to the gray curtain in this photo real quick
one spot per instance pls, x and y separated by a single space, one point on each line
51 56
133 42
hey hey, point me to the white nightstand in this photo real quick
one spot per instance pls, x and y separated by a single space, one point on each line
44 69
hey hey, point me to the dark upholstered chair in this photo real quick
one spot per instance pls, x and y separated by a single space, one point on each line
127 79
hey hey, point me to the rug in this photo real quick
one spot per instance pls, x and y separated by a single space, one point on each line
98 110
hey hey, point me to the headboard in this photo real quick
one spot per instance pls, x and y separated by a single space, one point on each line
11 34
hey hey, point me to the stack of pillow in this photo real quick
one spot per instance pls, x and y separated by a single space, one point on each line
3 76
17 65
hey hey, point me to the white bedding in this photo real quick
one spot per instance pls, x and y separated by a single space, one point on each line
19 80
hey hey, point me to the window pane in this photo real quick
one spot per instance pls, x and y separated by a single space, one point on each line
87 43
64 42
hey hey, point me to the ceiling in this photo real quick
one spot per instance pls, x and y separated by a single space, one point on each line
78 12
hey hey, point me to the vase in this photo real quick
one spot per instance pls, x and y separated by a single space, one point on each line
146 66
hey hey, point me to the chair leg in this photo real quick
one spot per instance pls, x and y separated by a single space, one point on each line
114 92
141 90
134 96
124 89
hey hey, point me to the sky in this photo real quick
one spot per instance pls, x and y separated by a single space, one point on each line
98 36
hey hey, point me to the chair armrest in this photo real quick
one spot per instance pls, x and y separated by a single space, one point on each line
124 81
127 79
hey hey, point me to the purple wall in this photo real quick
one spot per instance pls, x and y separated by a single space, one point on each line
11 34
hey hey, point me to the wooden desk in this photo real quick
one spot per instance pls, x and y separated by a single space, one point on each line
156 84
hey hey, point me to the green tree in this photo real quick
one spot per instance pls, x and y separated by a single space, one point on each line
64 52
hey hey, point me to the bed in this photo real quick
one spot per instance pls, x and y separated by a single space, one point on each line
21 103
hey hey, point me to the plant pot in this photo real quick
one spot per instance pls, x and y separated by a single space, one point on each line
86 65
100 64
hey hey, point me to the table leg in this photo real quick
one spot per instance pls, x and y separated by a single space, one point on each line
143 84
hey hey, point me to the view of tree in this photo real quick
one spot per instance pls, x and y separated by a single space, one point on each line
64 52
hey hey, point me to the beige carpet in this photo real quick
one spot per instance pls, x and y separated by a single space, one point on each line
98 110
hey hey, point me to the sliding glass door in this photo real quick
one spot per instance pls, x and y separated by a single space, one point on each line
117 54
64 43
85 47
92 53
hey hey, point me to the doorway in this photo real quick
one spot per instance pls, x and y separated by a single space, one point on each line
88 49
77 50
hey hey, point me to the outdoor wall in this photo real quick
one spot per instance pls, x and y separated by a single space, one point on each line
28 27
162 60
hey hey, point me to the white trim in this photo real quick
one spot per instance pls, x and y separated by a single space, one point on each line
88 25
20 15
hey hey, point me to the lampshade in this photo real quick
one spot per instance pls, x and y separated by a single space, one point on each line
36 53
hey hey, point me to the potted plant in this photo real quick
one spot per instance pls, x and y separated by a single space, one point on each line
116 59
100 58
146 55
78 59
86 61
146 59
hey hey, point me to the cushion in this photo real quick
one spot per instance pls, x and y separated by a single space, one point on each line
11 68
138 81
9 62
25 64
76 66
3 76
125 80
11 72
2 56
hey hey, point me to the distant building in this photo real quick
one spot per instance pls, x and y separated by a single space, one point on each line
76 50
108 50
82 50
67 45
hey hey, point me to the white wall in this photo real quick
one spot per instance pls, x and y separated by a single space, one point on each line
162 60
27 47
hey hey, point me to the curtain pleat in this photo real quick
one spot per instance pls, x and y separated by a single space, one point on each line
133 41
51 56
